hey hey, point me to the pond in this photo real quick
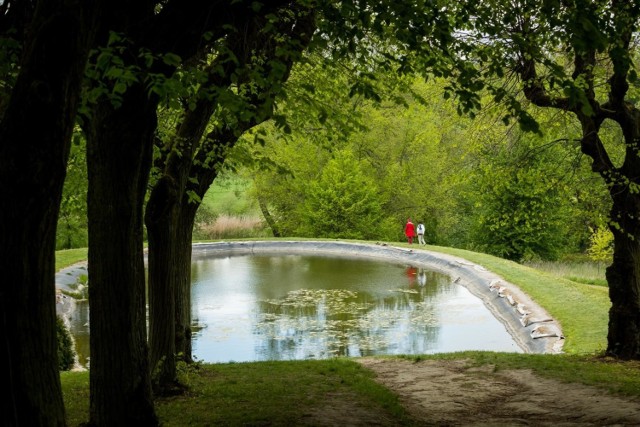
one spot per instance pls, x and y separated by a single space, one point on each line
292 307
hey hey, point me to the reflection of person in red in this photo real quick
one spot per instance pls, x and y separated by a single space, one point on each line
411 275
409 230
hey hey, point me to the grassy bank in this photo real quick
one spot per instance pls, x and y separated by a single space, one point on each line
69 257
283 393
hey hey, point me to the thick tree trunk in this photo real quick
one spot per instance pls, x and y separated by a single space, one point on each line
169 229
35 135
623 339
623 276
119 147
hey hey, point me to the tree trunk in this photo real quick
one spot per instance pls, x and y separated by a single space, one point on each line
623 339
267 216
184 232
623 275
160 218
35 137
119 148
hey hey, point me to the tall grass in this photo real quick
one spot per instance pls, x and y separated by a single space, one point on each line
588 272
231 227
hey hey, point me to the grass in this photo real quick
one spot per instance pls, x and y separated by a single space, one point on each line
258 393
69 257
227 197
282 393
279 393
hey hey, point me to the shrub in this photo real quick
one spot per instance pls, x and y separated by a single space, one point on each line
601 245
66 353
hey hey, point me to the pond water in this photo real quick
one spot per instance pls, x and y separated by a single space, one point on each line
292 307
258 307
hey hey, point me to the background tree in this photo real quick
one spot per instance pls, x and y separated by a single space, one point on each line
577 57
72 224
343 203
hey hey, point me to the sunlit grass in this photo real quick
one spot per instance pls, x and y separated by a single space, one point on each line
69 257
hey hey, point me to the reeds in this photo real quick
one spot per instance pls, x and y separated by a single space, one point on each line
231 227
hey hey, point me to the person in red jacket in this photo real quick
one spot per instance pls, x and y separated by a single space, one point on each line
409 230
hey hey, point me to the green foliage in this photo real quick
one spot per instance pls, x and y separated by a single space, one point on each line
72 221
343 203
475 184
518 215
601 248
66 352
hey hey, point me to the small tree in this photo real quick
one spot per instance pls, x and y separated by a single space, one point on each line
601 245
343 203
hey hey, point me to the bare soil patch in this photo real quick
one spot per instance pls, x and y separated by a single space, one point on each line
450 393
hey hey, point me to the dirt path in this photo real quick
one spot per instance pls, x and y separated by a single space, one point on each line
448 393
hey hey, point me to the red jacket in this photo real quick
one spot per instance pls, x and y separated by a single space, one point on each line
409 229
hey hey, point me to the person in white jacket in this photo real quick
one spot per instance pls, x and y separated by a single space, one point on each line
420 232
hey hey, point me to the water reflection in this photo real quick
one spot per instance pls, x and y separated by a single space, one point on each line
301 307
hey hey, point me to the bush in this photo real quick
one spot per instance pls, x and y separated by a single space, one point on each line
66 353
601 245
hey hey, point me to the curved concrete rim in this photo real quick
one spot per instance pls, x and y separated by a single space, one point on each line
532 328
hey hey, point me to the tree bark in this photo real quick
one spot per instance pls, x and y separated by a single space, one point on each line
160 218
184 332
623 277
119 145
119 149
267 216
35 137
